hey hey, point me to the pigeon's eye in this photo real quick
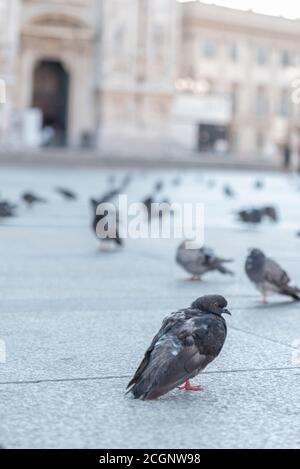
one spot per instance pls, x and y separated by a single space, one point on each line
216 305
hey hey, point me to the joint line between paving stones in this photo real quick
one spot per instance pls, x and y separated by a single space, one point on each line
102 378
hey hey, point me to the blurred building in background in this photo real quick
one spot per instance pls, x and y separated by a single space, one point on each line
146 76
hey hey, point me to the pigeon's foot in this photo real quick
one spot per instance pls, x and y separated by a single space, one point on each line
264 301
187 386
194 278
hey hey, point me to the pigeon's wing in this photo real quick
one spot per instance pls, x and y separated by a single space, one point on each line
167 324
172 362
274 274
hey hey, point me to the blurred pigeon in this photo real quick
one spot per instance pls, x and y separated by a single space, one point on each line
7 209
66 193
258 184
186 343
228 191
158 186
252 216
268 276
108 232
30 198
199 261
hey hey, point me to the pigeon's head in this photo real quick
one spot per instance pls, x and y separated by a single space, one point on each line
256 254
211 304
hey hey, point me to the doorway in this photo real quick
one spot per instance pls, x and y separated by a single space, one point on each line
50 95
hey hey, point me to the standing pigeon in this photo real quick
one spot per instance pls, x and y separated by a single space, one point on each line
186 343
110 231
200 260
7 209
252 216
30 198
228 191
268 276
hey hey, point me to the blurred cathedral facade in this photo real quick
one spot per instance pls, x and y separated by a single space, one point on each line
136 76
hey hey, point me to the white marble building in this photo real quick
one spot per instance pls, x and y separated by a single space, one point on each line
137 76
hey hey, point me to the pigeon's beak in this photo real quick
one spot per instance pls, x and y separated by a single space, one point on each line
226 311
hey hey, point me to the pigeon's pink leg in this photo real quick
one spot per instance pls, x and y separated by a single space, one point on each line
187 386
195 278
264 300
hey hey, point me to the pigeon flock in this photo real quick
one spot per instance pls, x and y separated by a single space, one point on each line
190 338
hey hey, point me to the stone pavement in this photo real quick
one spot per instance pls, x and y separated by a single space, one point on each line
173 158
76 321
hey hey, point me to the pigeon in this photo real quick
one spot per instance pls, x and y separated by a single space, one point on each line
187 342
7 209
66 193
268 276
109 233
30 198
228 191
158 186
200 260
257 215
250 216
258 184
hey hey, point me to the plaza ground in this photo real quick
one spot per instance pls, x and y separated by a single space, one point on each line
76 321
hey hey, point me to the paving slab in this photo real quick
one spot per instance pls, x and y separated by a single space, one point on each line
236 410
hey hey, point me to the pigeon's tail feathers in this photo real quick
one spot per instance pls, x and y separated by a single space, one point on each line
294 292
221 260
139 371
141 381
224 270
139 390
